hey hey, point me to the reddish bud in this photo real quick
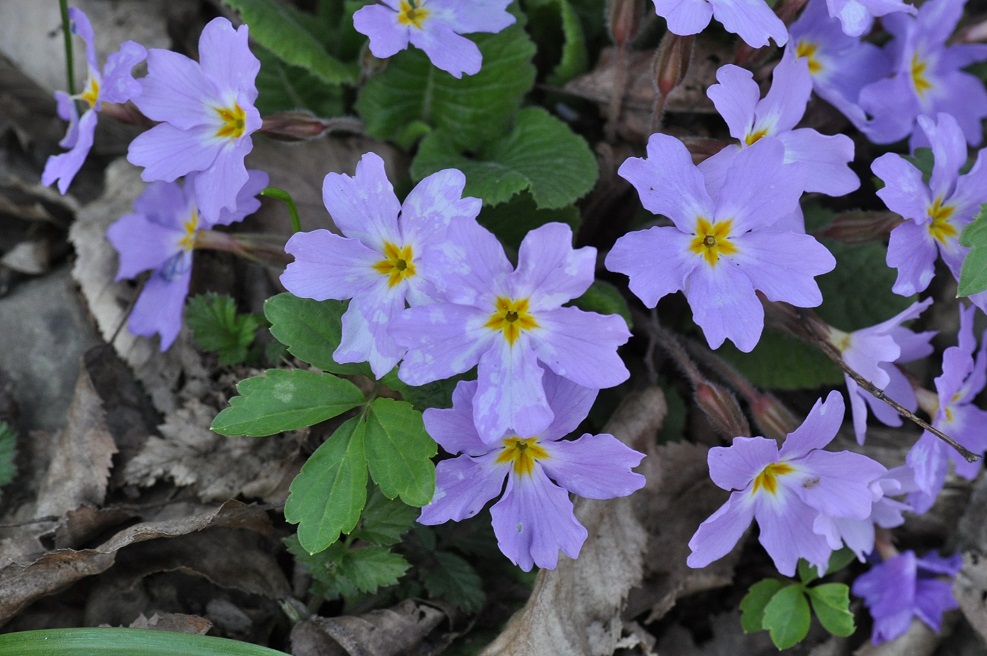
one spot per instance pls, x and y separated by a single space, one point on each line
624 20
771 416
722 410
672 62
860 227
304 126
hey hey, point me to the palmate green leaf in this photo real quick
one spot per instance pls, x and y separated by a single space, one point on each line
753 604
281 30
384 520
311 330
399 452
370 568
831 604
216 327
540 155
284 400
455 581
787 616
573 58
328 495
474 108
973 277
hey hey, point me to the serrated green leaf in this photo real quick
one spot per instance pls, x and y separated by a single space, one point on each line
284 400
322 566
8 452
604 298
474 108
831 604
216 327
787 616
385 520
281 30
282 87
371 568
513 220
328 494
973 277
399 452
311 330
753 604
572 56
540 155
455 581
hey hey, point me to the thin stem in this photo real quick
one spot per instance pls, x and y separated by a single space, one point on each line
285 197
67 34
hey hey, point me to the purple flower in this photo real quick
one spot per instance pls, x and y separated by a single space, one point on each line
382 262
533 519
904 587
434 26
786 491
723 246
207 115
871 352
926 76
752 20
114 84
506 320
159 237
823 158
857 16
935 213
962 379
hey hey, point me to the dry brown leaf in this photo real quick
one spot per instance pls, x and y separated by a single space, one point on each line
386 632
177 622
918 640
574 610
970 590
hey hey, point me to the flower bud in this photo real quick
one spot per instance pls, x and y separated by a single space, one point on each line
860 227
771 416
624 20
722 410
672 62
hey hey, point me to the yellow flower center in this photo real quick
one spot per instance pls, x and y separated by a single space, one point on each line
522 453
753 137
512 317
187 242
919 79
712 240
397 264
234 122
767 480
411 15
91 92
940 228
808 50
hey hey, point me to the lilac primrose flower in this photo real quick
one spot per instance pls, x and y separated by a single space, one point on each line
926 77
824 158
720 249
962 379
434 26
114 84
786 491
752 20
872 352
534 518
207 115
159 237
381 262
506 321
857 16
904 587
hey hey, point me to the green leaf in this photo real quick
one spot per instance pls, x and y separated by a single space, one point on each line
572 57
454 580
370 568
780 361
973 277
474 108
311 330
282 87
513 220
840 559
281 30
216 327
753 604
541 155
787 616
807 573
112 641
831 603
399 452
8 452
328 495
385 520
285 400
863 269
422 397
604 298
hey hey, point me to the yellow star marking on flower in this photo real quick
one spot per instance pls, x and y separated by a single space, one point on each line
512 317
234 122
523 453
187 242
91 94
767 480
412 15
712 240
397 264
919 79
752 137
808 50
940 228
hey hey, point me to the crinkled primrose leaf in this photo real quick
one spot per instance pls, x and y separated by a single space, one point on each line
217 327
973 277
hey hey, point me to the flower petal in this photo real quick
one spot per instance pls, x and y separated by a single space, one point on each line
463 486
594 466
582 346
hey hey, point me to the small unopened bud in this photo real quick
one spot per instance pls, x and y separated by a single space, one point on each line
928 401
624 20
304 126
860 227
722 410
672 62
771 416
974 33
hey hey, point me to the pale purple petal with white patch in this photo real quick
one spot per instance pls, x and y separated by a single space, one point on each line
435 202
509 394
478 16
826 159
64 166
929 461
470 267
167 152
463 486
719 534
176 90
838 484
218 187
635 254
453 428
948 152
818 429
783 265
142 244
365 329
912 251
442 340
569 402
80 26
328 266
447 50
225 57
735 97
759 189
784 104
363 206
735 467
751 20
594 466
380 25
550 271
159 307
582 346
534 520
857 534
786 525
685 17
118 84
725 306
